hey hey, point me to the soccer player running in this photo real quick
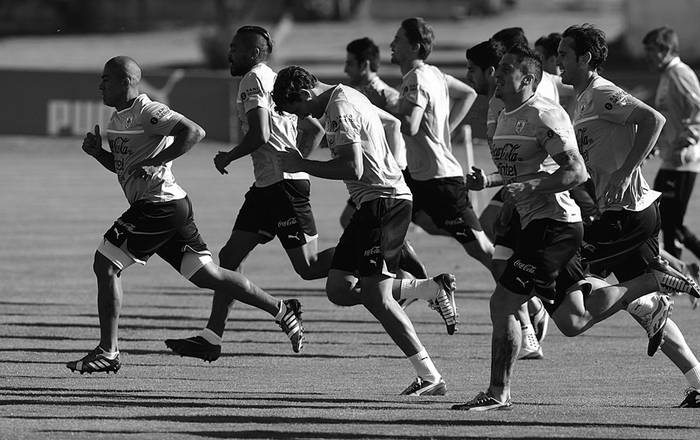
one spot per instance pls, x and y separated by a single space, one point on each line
278 203
678 99
431 106
615 133
361 67
160 219
367 255
545 259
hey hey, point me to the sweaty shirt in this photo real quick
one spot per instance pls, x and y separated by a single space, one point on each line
137 133
524 140
254 91
429 152
605 140
351 118
678 99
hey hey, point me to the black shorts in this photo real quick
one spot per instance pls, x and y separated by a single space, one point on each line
165 228
622 242
446 202
282 209
371 243
545 259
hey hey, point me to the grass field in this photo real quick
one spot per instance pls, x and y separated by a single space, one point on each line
56 202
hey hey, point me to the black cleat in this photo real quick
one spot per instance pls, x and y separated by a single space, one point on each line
196 347
291 323
95 362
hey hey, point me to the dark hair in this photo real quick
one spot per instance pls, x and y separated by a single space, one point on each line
364 49
529 61
257 30
289 83
550 44
486 54
419 32
664 38
510 37
588 39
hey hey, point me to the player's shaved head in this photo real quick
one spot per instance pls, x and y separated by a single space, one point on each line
126 67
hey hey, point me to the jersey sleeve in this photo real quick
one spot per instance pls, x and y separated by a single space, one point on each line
159 119
252 94
412 91
556 133
343 124
686 88
614 104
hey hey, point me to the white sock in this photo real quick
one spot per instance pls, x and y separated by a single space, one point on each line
421 289
642 306
425 369
210 336
693 377
109 354
281 312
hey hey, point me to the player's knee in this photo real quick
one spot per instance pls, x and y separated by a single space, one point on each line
103 267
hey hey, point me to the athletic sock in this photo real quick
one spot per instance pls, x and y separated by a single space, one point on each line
281 312
642 306
425 369
420 289
111 355
210 336
693 377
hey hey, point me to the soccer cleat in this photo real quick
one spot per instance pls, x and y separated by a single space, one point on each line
483 402
291 323
196 347
693 271
95 362
540 322
670 280
421 387
692 399
530 348
654 322
444 303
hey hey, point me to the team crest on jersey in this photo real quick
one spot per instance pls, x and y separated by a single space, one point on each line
128 122
243 96
333 126
520 125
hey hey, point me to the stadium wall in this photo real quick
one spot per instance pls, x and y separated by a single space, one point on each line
46 103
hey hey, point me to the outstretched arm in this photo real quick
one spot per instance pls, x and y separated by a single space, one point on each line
258 134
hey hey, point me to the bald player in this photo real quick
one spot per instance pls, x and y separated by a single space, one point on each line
159 219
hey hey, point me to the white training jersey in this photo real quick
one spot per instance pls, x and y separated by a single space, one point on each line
255 90
429 152
351 118
138 133
678 99
377 86
605 139
524 140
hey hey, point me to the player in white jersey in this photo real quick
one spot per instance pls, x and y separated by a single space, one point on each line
678 99
545 258
277 204
366 259
361 67
160 219
615 133
431 107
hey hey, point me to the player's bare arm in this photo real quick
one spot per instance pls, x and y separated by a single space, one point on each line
649 123
310 134
462 97
392 131
571 172
410 116
258 134
478 180
345 165
186 134
92 145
